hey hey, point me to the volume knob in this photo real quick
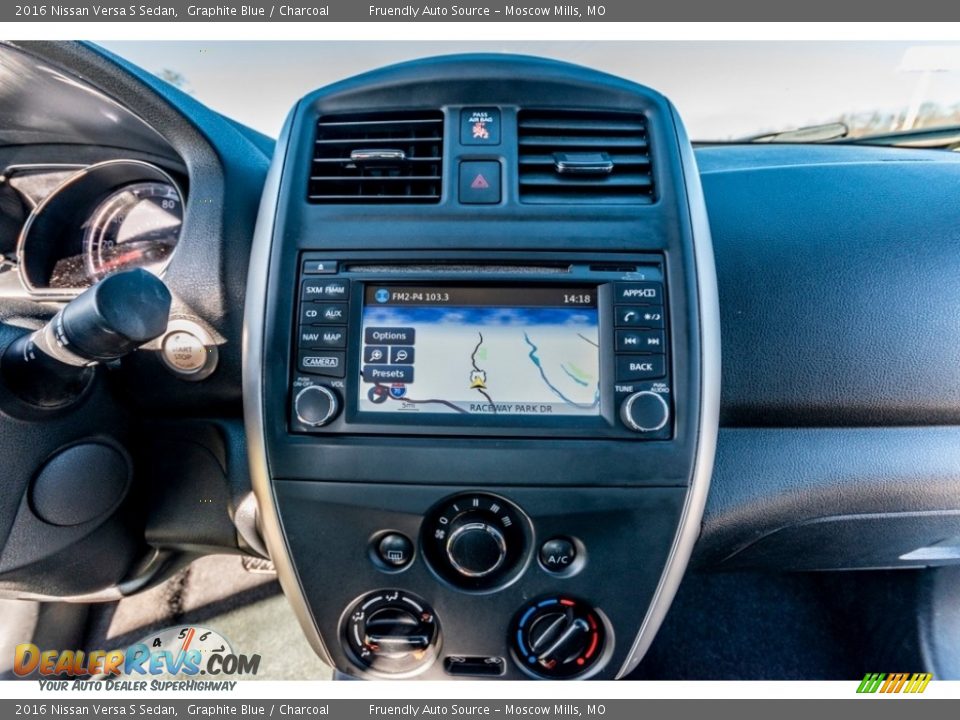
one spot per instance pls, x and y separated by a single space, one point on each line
316 405
645 411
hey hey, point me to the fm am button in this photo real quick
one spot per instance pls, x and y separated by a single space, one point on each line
480 182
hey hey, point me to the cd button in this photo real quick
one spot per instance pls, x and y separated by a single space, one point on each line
323 314
639 316
650 341
640 367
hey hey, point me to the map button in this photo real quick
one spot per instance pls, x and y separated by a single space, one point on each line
323 337
389 335
401 355
388 373
640 367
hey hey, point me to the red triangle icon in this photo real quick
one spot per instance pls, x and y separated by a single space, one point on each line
479 182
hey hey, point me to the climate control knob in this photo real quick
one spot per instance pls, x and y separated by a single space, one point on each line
558 637
391 632
316 405
476 541
476 549
645 411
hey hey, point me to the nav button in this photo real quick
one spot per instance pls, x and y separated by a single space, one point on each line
323 337
640 367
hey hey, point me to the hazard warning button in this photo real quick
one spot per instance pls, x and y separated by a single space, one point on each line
480 182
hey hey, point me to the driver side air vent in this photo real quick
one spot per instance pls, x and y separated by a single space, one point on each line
584 157
377 159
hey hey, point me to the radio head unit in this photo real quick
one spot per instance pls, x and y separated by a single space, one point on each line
575 352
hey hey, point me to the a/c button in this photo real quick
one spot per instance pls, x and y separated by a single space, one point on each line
640 367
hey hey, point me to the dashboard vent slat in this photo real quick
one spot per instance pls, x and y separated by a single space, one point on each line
546 138
411 174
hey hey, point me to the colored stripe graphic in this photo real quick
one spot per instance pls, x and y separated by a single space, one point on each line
914 683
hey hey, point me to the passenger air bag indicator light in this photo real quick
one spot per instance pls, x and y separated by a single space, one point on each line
480 182
480 126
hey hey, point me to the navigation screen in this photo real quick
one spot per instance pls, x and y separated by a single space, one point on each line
480 350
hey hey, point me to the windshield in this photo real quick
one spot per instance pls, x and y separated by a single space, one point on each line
724 90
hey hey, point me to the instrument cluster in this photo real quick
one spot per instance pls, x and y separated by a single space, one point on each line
95 220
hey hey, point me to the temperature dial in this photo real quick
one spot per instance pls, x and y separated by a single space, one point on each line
392 632
558 637
475 541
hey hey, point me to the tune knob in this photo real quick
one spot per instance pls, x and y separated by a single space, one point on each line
391 632
645 411
558 637
316 405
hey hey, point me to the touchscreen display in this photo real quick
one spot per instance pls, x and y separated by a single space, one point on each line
480 350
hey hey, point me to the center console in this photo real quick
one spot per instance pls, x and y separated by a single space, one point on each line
481 369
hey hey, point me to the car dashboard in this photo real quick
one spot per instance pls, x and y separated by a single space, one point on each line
483 354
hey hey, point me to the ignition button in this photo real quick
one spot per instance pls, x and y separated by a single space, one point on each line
188 350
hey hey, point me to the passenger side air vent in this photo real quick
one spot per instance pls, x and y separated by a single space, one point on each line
377 159
584 157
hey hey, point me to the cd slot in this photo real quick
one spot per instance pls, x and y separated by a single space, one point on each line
459 268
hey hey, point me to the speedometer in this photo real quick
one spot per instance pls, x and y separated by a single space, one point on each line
136 226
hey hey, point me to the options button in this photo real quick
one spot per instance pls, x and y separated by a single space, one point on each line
389 335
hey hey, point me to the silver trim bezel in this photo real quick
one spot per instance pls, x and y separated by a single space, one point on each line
254 319
691 516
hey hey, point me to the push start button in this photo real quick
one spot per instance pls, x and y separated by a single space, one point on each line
184 351
188 350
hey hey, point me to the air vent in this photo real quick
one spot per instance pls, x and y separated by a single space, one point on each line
584 157
377 159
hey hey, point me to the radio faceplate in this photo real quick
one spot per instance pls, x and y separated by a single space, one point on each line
565 348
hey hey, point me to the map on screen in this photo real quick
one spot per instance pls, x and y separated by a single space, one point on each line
485 351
